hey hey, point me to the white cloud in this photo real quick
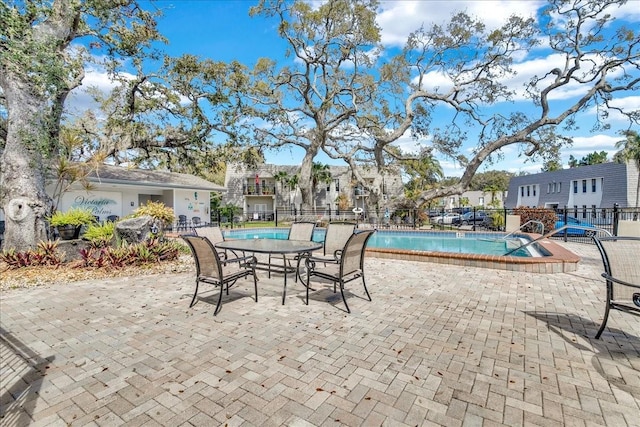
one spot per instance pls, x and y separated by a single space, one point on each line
398 18
80 100
629 103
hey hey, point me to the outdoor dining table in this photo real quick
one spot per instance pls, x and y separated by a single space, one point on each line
273 247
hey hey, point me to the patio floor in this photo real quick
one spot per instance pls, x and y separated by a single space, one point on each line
439 345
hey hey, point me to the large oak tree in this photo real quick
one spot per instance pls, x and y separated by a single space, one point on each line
341 95
41 62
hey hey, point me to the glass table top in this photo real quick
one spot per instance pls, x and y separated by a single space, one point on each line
270 245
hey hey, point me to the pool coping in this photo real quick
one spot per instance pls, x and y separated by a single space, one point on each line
560 259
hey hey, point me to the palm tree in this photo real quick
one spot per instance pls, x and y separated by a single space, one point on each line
424 171
281 177
630 151
319 174
292 181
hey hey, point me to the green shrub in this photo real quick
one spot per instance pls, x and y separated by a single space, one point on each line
100 235
497 220
157 210
74 216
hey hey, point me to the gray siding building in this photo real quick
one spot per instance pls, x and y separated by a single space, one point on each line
594 186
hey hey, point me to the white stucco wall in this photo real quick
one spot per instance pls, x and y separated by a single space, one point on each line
191 203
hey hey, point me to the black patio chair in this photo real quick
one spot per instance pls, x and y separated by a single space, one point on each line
335 238
299 231
214 271
351 266
182 222
196 221
215 236
620 256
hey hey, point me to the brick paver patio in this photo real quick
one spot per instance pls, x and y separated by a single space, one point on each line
439 345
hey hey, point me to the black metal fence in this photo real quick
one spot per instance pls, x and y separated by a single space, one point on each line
474 219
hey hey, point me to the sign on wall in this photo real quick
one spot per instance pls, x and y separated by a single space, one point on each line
196 203
100 203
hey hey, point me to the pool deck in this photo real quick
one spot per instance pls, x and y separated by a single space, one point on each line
440 344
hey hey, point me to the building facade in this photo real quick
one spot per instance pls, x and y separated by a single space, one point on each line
259 191
477 199
584 187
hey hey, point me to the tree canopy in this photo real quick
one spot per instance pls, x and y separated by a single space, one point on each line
338 92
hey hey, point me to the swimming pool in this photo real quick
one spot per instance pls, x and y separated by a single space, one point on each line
450 242
549 257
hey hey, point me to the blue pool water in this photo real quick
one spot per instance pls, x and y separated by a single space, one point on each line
455 242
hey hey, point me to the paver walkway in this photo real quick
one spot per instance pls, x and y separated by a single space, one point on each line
439 345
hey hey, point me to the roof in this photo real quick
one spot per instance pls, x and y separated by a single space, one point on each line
109 174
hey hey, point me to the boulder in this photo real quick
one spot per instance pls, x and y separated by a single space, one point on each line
135 230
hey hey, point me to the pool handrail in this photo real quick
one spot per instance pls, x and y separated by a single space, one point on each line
519 229
557 230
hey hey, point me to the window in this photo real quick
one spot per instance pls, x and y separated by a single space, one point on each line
593 185
521 191
584 185
584 211
559 187
534 190
548 188
481 201
554 188
528 190
337 186
575 186
575 210
593 211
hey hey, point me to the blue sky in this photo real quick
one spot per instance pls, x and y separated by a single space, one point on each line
222 30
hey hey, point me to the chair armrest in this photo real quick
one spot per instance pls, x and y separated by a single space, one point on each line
325 259
618 281
250 259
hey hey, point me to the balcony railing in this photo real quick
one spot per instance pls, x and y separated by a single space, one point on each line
259 190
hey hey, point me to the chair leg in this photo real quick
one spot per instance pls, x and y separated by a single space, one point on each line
195 294
343 297
219 305
365 286
604 322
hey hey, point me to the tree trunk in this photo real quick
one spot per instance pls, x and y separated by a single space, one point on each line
305 176
23 197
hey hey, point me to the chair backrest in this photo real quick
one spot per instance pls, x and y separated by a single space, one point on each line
213 234
113 218
628 228
196 220
336 236
620 257
207 259
182 218
353 252
301 231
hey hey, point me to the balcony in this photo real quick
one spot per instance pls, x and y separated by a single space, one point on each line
259 190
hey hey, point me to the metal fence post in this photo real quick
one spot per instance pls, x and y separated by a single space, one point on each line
616 217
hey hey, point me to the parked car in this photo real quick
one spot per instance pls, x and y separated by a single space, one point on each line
575 231
446 218
472 218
